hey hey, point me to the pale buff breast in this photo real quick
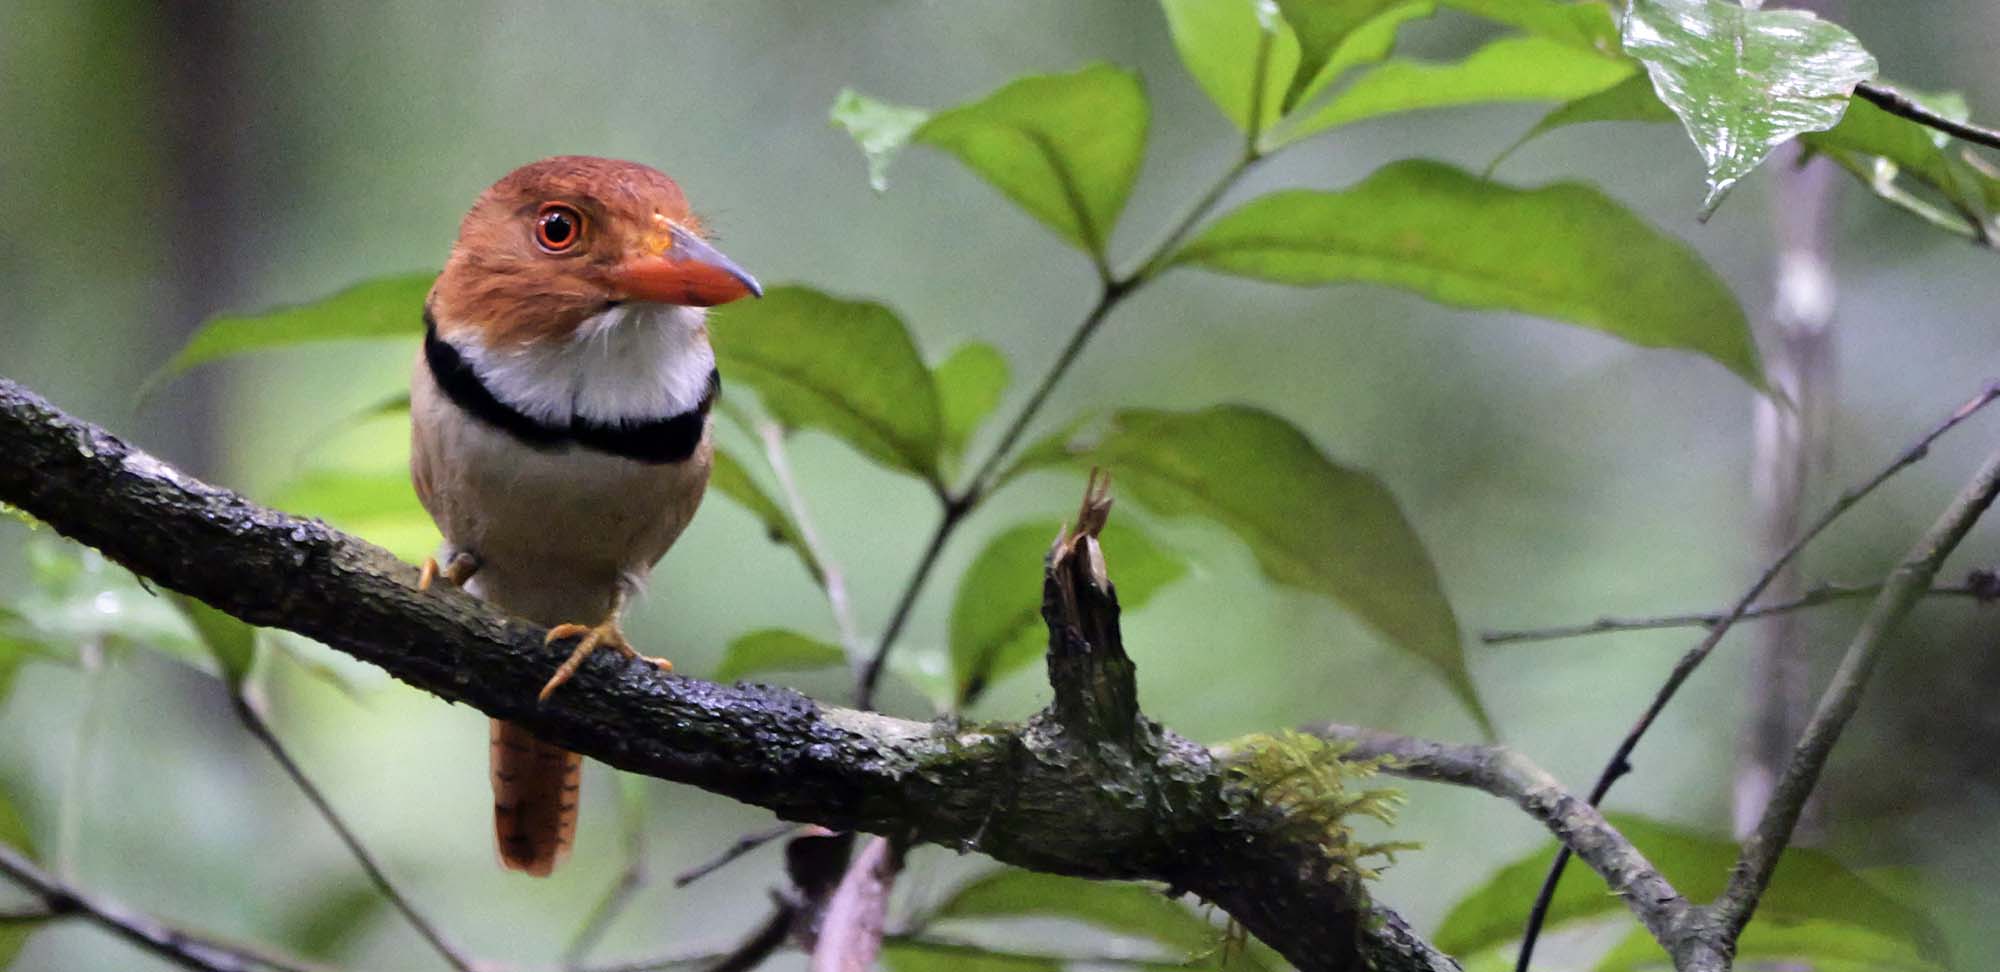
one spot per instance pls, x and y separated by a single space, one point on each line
558 533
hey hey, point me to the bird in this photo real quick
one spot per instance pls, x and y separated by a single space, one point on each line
560 428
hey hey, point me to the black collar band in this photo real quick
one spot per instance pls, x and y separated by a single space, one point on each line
661 440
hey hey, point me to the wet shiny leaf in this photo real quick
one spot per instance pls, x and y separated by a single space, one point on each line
1743 81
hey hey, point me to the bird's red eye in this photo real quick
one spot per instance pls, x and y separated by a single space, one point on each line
558 227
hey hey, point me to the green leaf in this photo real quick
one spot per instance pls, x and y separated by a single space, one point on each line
845 366
996 619
324 665
1508 69
1240 52
80 597
1880 148
1630 100
322 925
20 644
775 650
1911 147
14 833
1743 81
1311 523
1370 43
1809 885
1821 946
386 308
377 505
731 479
1587 26
915 956
969 384
1133 910
1066 147
1323 27
232 642
1563 251
879 128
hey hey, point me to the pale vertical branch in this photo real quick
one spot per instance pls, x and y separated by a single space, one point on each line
850 930
1789 442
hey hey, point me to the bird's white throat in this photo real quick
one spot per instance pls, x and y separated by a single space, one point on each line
629 363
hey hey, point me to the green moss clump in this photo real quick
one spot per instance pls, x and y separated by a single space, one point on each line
1316 792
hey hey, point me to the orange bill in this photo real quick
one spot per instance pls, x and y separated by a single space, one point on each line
690 273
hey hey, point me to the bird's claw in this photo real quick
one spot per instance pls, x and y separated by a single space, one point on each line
605 635
461 568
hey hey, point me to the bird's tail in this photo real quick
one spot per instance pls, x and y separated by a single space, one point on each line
534 799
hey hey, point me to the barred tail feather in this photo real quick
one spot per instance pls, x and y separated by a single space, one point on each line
535 789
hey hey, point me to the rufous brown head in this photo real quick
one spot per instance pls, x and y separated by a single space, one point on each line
560 240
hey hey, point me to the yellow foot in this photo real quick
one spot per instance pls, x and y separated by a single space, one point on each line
462 567
605 635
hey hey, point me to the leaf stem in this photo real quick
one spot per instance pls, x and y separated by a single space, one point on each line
871 674
1114 292
832 580
76 777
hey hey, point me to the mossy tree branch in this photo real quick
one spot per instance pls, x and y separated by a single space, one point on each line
1038 794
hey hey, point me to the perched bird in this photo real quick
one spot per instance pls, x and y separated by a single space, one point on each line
560 426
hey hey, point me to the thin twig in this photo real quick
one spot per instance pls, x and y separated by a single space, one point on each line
1620 764
751 952
832 580
261 731
743 845
1821 594
1114 291
982 481
955 510
29 915
185 949
1897 103
1511 776
1905 585
871 673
